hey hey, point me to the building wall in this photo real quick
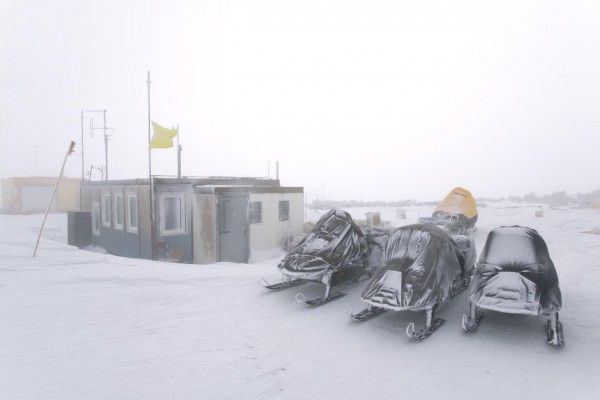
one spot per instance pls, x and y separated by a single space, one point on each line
32 194
122 242
200 241
85 198
271 233
204 210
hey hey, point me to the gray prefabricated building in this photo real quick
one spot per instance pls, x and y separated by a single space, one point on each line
199 220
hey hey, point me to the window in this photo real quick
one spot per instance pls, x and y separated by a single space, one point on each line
284 210
106 209
132 212
172 214
119 211
96 218
255 212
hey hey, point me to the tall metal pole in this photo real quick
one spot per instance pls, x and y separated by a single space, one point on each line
152 228
62 170
105 144
178 155
82 159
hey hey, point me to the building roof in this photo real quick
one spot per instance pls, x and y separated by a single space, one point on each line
37 180
196 181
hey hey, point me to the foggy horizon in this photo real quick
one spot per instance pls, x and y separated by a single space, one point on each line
385 101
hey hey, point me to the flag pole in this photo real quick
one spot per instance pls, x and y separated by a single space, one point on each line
82 155
178 155
70 150
152 229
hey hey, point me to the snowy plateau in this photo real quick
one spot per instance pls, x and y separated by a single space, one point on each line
78 324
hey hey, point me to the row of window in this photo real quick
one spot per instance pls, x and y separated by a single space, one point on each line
255 211
101 213
172 213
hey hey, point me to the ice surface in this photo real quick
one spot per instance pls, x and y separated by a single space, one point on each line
83 325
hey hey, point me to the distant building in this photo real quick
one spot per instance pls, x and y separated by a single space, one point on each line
197 220
25 195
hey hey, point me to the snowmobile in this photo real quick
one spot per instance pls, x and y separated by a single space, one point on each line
335 251
514 274
457 213
422 268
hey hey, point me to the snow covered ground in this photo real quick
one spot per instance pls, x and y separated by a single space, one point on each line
83 325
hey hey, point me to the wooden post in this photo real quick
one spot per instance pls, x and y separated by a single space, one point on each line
70 150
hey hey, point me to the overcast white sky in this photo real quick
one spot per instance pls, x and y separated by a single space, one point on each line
375 99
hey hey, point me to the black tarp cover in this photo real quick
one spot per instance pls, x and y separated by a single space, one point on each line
419 265
335 242
515 274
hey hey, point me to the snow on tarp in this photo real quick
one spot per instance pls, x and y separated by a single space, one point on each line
457 208
419 266
335 242
515 274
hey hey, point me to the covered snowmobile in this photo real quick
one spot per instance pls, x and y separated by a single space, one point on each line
515 274
457 212
422 268
334 251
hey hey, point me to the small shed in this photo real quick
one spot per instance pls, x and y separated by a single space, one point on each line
199 220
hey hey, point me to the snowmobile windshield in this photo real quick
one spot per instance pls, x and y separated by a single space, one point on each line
515 273
419 266
335 242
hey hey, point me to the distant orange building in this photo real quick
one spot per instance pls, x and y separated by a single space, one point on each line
28 195
596 204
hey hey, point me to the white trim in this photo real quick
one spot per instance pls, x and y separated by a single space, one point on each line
182 213
117 197
129 196
96 211
105 210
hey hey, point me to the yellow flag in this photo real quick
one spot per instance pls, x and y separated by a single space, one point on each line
163 137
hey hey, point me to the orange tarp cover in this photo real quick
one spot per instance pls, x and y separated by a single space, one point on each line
459 201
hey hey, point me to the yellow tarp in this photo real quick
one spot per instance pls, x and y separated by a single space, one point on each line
459 201
163 137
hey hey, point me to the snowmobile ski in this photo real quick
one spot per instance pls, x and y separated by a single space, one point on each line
555 331
367 313
471 322
423 332
281 285
319 300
